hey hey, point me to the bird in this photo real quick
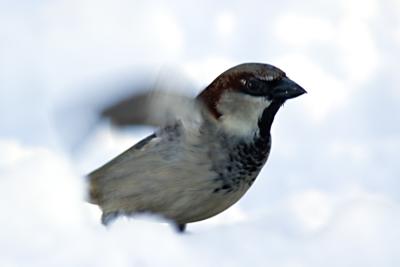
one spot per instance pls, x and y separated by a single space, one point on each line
205 154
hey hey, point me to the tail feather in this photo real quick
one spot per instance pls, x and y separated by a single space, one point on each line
95 193
96 196
106 194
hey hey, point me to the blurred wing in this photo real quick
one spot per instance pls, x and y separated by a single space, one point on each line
123 98
129 111
154 108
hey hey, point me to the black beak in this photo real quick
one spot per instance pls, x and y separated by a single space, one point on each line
286 89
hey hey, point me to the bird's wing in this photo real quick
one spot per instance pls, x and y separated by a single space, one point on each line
125 101
155 108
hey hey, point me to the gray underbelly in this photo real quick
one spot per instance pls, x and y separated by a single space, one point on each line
204 205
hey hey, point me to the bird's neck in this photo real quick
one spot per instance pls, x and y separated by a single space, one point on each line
267 118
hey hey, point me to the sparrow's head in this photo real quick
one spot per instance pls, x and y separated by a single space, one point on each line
245 98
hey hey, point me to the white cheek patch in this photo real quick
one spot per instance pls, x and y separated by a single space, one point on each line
241 113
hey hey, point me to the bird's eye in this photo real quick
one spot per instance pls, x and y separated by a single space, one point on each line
252 86
248 83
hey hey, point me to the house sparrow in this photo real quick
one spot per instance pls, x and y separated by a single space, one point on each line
206 154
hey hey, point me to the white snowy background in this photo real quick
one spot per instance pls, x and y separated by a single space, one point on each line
330 193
